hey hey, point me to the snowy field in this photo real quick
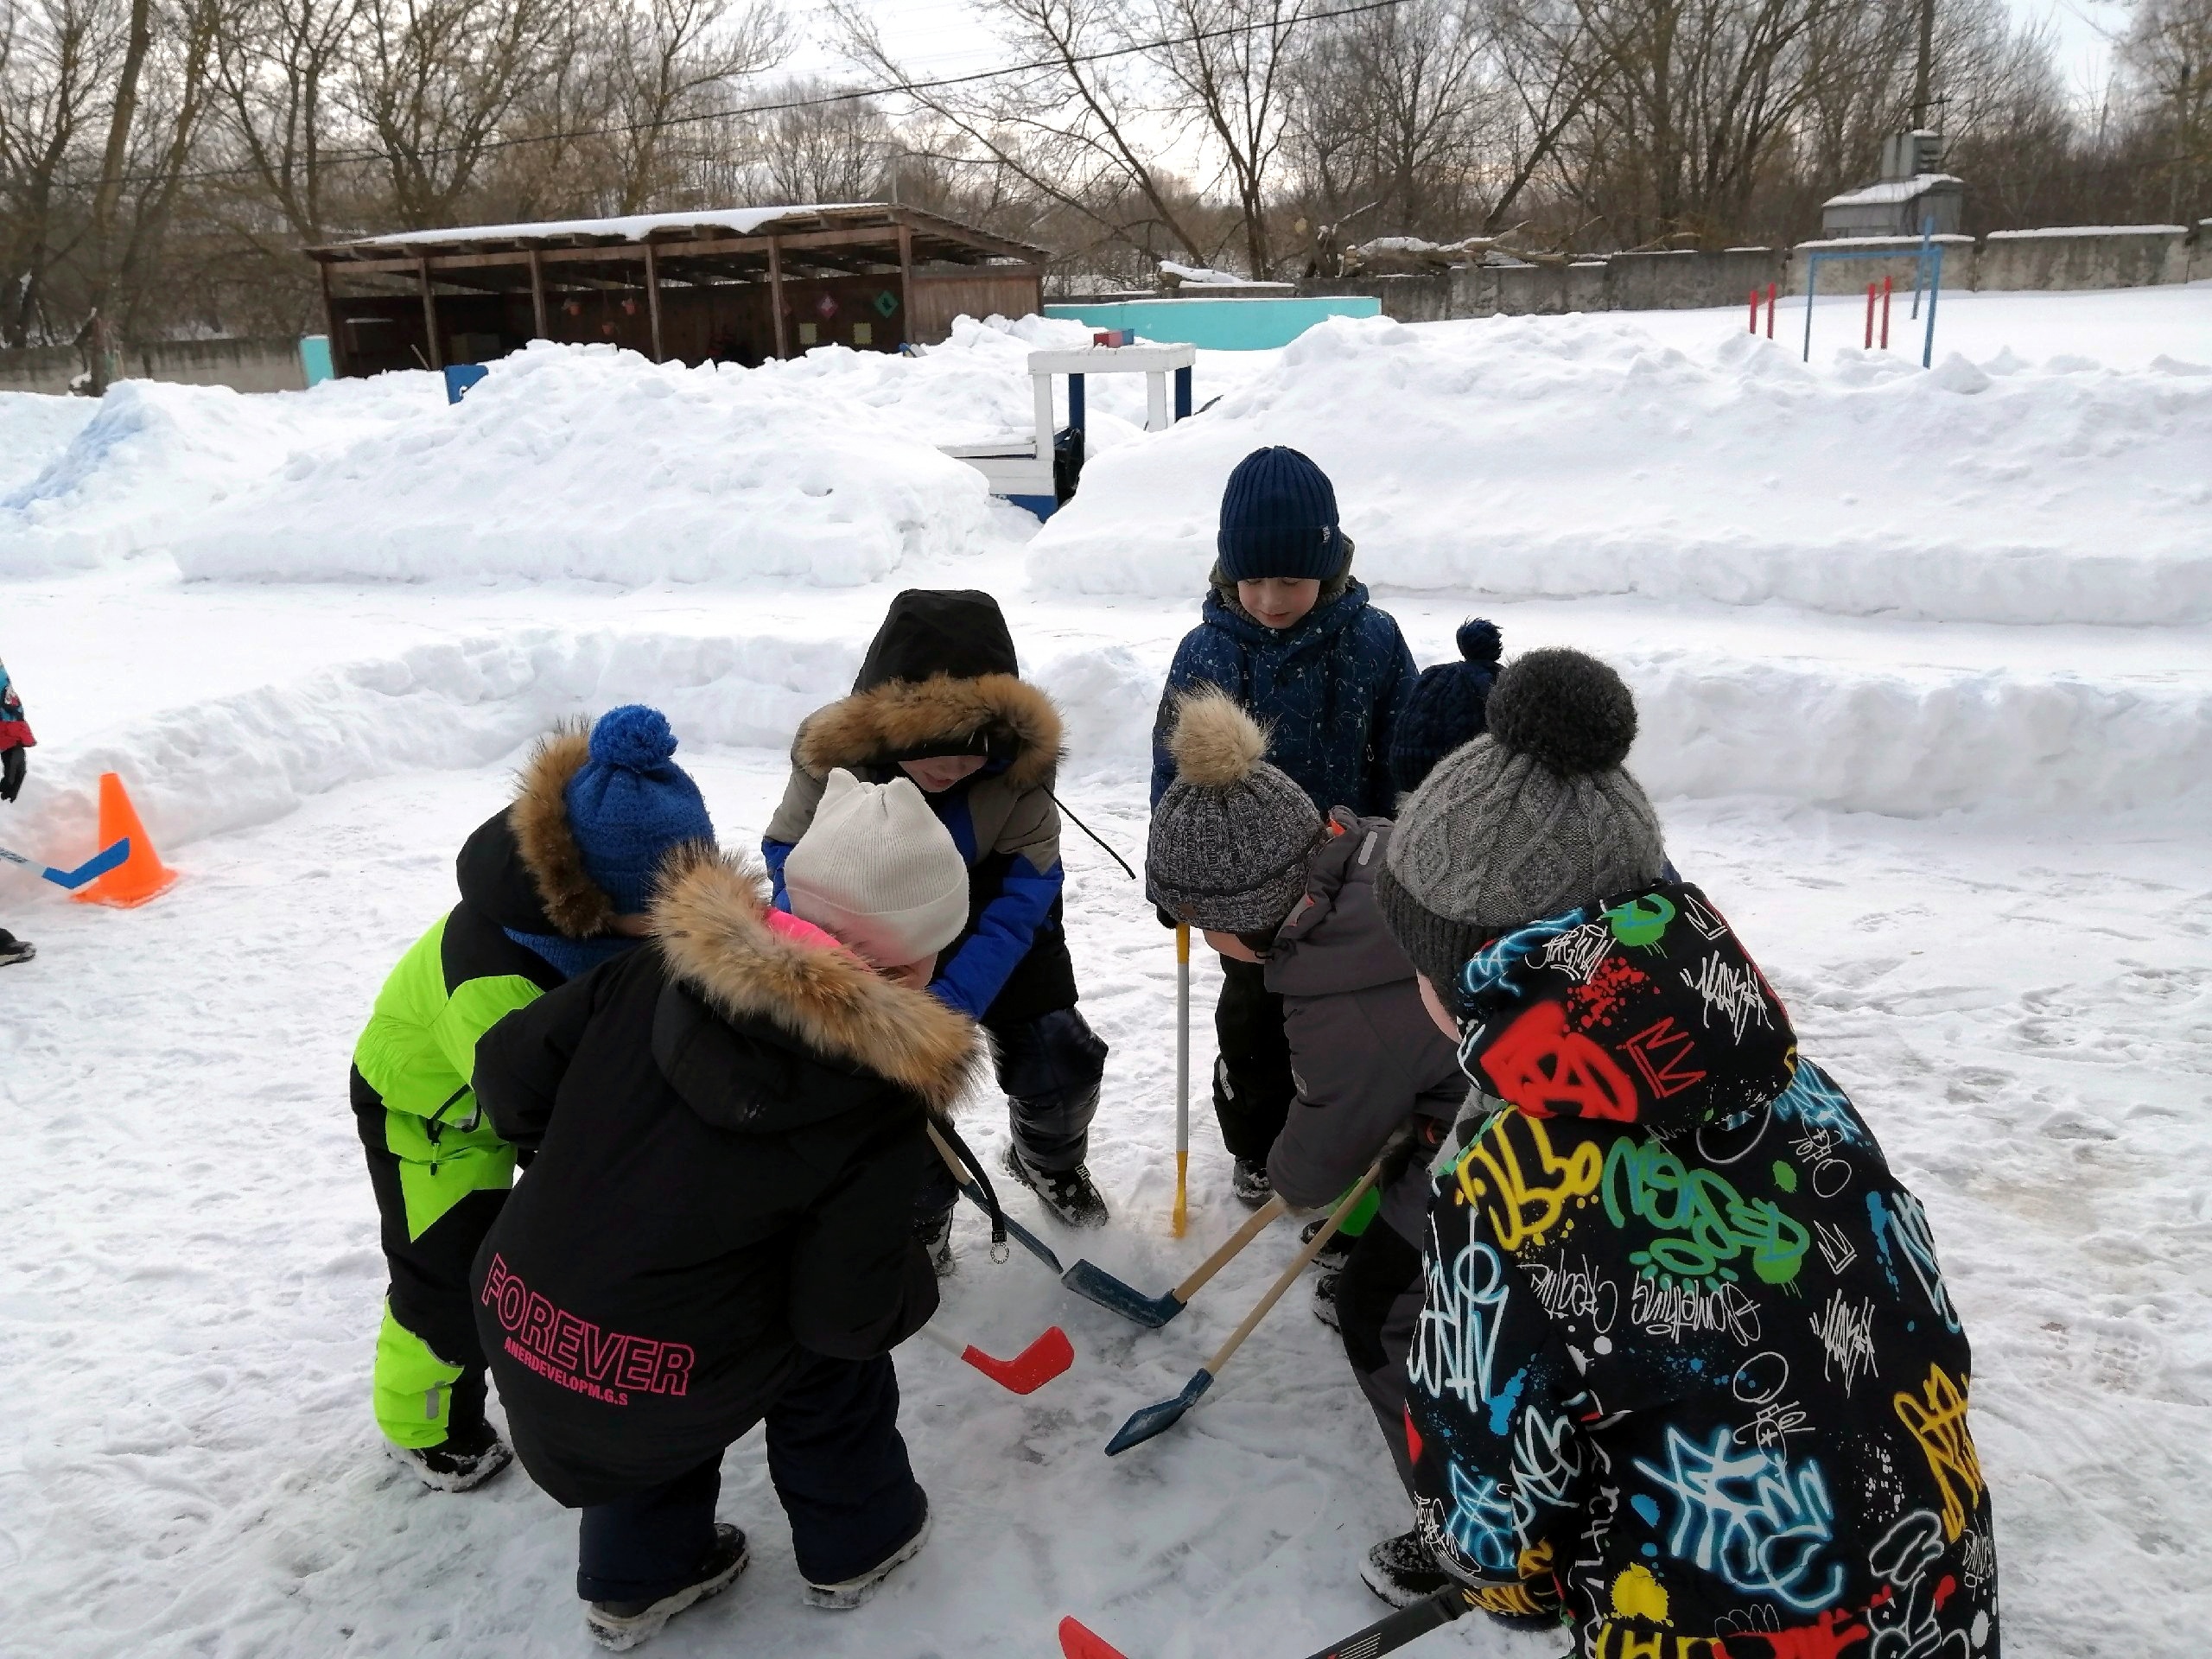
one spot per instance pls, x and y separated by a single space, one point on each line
1925 664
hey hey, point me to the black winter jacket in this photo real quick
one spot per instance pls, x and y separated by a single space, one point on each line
1686 1371
729 1132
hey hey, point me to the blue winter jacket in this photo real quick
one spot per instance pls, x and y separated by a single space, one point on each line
1330 687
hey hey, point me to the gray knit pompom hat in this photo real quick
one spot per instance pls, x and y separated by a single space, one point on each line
1229 837
1533 818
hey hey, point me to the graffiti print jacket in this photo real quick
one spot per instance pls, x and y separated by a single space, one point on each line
1330 689
1686 1374
728 1131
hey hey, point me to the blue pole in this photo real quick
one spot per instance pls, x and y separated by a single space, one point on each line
1934 286
1183 393
1075 404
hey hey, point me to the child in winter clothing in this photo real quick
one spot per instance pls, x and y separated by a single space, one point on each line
550 886
716 1229
1237 847
1288 635
939 700
15 738
1445 707
1687 1375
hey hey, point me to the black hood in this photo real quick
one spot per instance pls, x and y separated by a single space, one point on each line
930 630
748 1077
495 879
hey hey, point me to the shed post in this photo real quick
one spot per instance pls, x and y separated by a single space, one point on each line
537 297
776 293
429 313
330 320
907 286
652 298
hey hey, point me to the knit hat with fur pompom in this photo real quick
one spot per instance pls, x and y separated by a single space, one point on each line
1229 837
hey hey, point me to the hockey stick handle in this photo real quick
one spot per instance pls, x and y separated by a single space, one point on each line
1298 1265
1387 1635
1181 1218
1257 1223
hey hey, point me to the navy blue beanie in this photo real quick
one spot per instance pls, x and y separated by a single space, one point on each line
1449 705
630 805
1279 519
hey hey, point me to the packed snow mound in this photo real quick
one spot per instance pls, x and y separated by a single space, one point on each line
1865 737
594 464
229 763
1564 457
149 455
35 428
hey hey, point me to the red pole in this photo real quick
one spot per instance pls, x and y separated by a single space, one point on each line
1770 310
1870 316
1755 310
1885 312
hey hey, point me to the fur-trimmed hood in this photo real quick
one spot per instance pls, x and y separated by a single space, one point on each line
999 715
710 919
522 868
574 904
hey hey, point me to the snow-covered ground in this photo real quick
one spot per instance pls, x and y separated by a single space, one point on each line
1945 761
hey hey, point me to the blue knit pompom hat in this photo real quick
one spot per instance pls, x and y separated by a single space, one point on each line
1449 705
1279 519
630 805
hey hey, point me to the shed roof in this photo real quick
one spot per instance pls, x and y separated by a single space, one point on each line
1891 192
727 242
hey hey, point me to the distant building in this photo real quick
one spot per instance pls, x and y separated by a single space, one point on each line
1909 193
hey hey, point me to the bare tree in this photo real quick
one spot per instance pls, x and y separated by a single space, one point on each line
55 57
666 56
276 69
2168 59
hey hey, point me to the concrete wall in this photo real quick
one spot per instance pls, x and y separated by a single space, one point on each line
2135 256
242 365
2125 257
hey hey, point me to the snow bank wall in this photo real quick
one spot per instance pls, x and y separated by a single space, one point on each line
1576 456
1875 740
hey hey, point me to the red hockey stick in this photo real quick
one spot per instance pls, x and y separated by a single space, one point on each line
1026 1372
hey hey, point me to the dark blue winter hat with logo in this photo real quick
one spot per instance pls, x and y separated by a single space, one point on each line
630 805
1448 706
1279 519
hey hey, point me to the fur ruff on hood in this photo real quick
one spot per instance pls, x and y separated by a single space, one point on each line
874 728
576 906
710 918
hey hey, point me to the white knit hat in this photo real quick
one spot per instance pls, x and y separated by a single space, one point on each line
877 869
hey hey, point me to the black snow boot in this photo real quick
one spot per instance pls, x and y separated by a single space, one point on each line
1402 1570
1328 1267
937 1241
620 1626
1067 1193
1250 1184
466 1459
14 949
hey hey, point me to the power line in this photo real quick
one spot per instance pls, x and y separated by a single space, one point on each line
903 88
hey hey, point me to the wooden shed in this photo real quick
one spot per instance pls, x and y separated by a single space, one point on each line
738 284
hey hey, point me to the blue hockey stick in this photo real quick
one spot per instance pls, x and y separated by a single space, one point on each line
91 870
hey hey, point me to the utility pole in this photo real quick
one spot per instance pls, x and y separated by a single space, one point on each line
1922 74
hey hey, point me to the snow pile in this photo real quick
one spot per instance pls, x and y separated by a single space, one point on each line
150 455
591 463
35 428
1575 456
227 763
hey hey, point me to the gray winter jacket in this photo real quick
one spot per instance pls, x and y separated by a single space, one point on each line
1363 1051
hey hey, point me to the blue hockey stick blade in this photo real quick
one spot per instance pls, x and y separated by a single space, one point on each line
1149 1420
1095 1284
92 868
1019 1233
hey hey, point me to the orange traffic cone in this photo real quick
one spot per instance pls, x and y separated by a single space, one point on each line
139 877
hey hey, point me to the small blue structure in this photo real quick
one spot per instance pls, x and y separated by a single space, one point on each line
315 358
1239 325
460 377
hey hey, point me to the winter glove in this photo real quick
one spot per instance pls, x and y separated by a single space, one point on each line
12 768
